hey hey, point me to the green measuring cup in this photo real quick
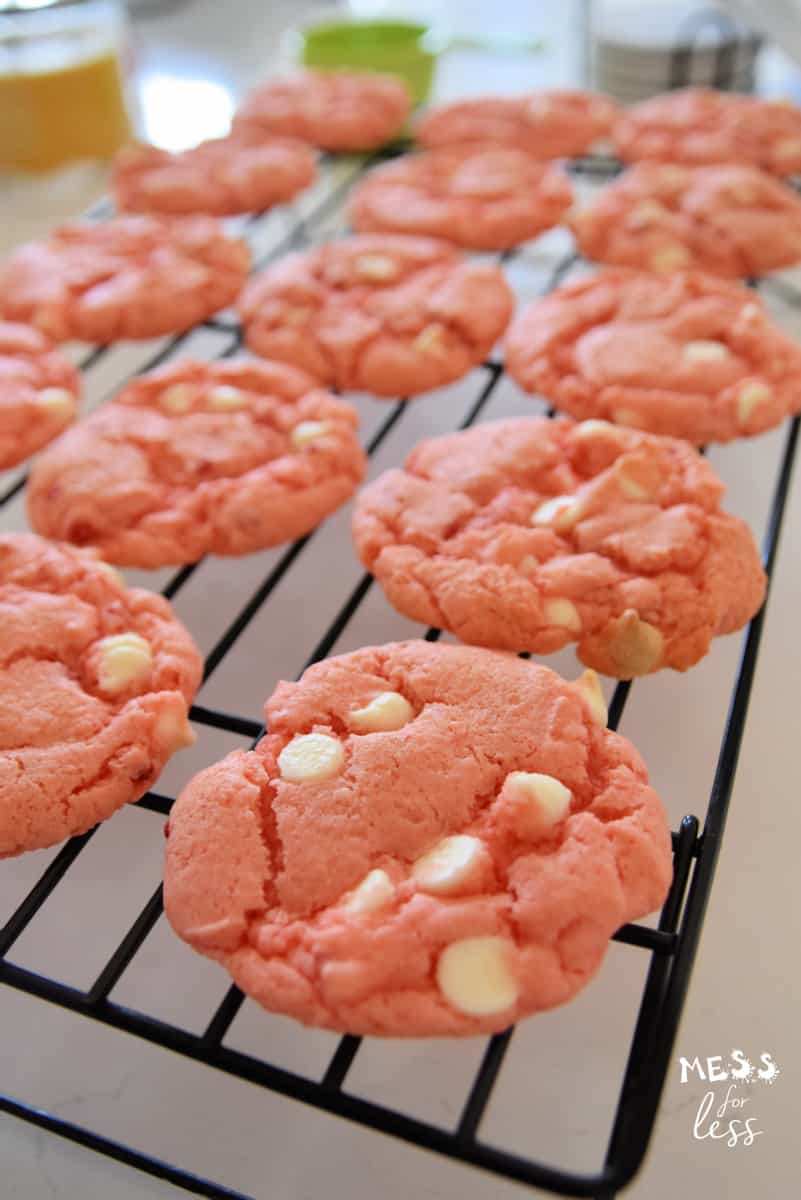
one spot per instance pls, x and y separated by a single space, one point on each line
403 48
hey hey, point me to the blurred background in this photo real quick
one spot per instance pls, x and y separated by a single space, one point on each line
78 78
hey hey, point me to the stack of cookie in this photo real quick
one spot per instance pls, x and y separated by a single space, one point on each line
431 839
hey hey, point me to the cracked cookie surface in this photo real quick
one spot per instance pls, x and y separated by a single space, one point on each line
336 111
431 840
729 220
220 177
529 534
95 685
700 126
39 391
689 355
388 314
131 277
482 198
546 124
199 458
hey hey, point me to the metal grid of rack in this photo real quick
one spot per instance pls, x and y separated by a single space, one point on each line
670 945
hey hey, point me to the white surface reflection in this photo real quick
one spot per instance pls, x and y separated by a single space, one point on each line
177 113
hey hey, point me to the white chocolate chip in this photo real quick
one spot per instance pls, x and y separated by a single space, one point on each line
669 258
126 660
705 351
627 417
450 865
549 798
388 711
58 402
672 177
638 474
373 893
476 179
635 647
630 486
750 397
311 757
226 398
562 612
787 148
173 730
474 975
593 428
752 312
430 339
178 397
295 314
376 266
646 213
539 106
111 573
309 431
589 686
560 512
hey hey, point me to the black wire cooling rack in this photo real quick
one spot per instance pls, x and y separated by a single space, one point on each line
670 946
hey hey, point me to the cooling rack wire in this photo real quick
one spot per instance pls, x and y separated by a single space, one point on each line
270 616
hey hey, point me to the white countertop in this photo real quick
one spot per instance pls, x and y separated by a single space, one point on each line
562 1070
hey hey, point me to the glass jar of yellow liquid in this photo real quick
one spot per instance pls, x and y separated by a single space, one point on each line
62 93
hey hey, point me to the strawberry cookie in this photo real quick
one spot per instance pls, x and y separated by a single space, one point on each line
483 198
699 126
199 458
432 841
688 355
728 220
221 176
132 277
387 314
335 111
529 534
548 124
95 685
38 392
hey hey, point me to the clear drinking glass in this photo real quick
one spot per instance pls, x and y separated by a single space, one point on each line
62 89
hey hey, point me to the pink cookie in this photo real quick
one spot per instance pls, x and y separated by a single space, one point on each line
39 392
336 111
728 220
690 355
133 277
199 458
221 176
95 685
387 314
433 841
699 126
483 198
548 124
530 534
